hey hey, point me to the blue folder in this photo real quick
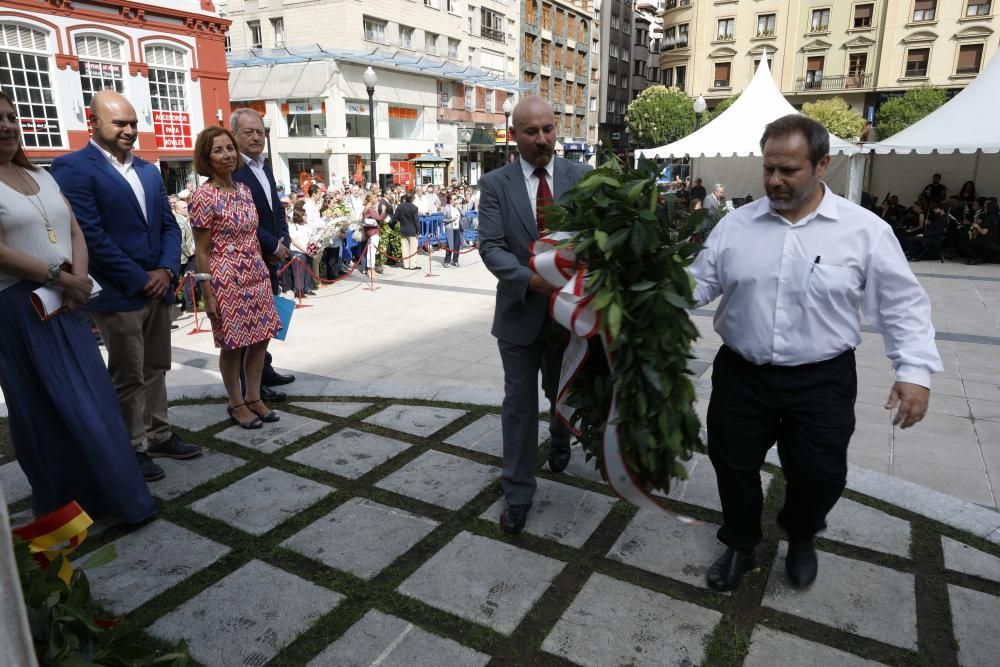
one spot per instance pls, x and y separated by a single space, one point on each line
285 308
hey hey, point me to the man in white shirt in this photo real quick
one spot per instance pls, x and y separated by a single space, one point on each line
794 270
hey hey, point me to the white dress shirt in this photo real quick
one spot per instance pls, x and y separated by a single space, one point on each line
128 172
257 167
531 181
792 293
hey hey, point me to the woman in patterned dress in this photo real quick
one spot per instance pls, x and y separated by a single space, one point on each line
238 298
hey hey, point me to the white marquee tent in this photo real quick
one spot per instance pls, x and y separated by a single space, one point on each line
960 140
728 148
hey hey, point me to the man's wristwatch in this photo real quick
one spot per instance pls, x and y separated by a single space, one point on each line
171 275
53 276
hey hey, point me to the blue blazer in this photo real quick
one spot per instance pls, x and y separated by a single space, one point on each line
272 226
123 246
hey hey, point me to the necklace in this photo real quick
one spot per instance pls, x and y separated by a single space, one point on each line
41 209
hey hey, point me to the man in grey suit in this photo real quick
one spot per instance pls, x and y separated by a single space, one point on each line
511 218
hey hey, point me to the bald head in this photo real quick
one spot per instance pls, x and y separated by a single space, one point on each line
533 128
114 123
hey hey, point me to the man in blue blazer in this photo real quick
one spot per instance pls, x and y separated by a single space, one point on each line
272 226
135 250
511 218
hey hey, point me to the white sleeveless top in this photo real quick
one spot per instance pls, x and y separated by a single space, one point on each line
24 227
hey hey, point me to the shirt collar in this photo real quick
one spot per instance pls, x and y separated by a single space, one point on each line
529 170
827 208
110 156
259 162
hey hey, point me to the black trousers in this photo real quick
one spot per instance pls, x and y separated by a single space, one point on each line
809 411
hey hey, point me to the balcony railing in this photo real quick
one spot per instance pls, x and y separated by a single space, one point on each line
725 37
920 71
968 70
673 4
495 35
720 83
819 27
765 33
820 82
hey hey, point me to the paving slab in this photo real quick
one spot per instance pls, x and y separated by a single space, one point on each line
701 488
15 485
962 558
850 595
361 536
661 544
863 526
975 618
580 467
274 436
335 408
388 641
245 619
182 476
415 419
197 417
350 453
616 623
769 648
151 560
560 512
262 500
482 580
486 436
441 479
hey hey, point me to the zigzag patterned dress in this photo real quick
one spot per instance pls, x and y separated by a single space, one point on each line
240 280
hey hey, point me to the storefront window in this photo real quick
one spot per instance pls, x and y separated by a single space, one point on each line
306 118
24 75
100 65
357 119
359 171
404 123
309 167
168 96
403 171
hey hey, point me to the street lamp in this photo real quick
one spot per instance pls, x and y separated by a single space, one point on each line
267 133
628 143
370 79
699 109
466 136
507 108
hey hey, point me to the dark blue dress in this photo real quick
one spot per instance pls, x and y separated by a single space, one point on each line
65 421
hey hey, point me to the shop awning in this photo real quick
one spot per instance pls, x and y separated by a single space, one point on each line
281 82
430 160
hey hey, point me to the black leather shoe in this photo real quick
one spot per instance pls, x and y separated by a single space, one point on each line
725 573
277 379
150 471
800 563
174 448
559 455
513 518
272 396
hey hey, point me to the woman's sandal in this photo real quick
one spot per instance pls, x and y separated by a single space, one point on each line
268 418
252 424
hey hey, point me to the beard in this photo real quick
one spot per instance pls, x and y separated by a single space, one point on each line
540 158
795 197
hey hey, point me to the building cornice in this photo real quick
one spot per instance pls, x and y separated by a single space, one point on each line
132 14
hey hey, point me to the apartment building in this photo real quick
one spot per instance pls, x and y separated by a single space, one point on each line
465 53
648 33
864 51
556 64
617 42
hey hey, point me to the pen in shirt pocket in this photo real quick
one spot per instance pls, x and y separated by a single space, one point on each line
815 262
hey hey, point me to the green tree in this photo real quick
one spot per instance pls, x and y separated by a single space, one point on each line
660 115
836 116
712 114
900 112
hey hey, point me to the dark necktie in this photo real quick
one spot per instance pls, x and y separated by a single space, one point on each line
543 198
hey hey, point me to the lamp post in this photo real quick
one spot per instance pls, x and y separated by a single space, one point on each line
507 108
628 143
267 134
466 136
370 79
699 109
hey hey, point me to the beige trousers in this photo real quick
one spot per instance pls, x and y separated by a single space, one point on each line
409 247
138 344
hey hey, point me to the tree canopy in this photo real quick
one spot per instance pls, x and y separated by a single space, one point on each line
660 115
712 114
836 116
899 113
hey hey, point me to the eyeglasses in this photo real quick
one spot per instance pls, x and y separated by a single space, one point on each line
252 133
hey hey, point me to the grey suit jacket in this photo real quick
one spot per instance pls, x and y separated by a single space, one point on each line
507 228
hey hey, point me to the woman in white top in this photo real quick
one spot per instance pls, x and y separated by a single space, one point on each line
453 231
65 421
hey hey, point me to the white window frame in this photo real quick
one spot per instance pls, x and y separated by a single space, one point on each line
29 54
408 42
102 64
454 46
374 29
979 6
171 77
278 29
256 34
430 42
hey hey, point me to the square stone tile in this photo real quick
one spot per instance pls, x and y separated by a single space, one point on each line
482 580
976 620
486 436
274 436
850 595
15 485
580 467
182 476
561 512
361 537
864 526
701 488
261 501
441 479
615 623
415 419
150 560
658 543
248 617
770 647
349 453
962 558
197 417
388 641
335 408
